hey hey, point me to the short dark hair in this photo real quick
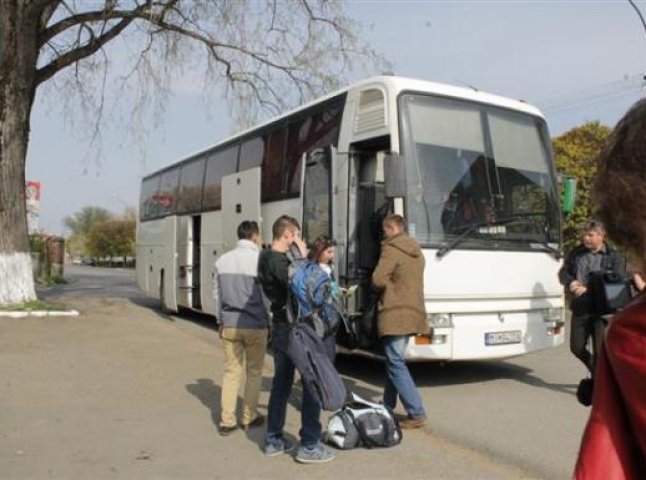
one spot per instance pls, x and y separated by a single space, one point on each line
247 229
321 244
283 223
593 226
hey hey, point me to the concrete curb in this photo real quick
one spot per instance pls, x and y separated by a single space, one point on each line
39 313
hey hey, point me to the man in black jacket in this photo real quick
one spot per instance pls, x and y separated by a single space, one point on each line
273 273
593 255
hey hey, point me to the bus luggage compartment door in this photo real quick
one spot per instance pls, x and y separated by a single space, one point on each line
185 261
240 201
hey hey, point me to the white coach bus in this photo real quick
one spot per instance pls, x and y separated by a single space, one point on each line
472 173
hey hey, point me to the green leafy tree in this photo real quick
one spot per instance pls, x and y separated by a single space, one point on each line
112 238
268 55
80 224
575 154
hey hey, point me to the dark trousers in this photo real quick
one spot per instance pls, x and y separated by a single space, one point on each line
281 388
586 326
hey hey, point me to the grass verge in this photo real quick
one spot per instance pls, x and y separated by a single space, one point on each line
31 306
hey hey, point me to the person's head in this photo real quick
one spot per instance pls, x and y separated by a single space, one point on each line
285 228
619 190
248 230
393 225
593 235
322 250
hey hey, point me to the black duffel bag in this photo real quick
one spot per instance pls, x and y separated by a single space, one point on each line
609 292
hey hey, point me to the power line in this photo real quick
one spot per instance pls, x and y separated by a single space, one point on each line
641 17
633 83
587 101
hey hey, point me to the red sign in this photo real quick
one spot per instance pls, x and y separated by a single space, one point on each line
32 191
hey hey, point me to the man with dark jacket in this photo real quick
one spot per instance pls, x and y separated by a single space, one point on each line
400 277
273 272
594 255
243 324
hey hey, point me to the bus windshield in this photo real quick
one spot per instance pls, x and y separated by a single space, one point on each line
479 174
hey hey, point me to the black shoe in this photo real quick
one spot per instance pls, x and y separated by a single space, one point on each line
223 430
256 422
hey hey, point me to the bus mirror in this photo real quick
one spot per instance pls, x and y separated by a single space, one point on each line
394 175
568 194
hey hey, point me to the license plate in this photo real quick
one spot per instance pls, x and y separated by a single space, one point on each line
502 338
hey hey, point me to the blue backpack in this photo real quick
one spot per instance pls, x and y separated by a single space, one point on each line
316 298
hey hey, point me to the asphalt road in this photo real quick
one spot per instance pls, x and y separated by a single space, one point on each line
96 282
521 412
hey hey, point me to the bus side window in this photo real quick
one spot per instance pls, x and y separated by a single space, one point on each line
272 165
218 165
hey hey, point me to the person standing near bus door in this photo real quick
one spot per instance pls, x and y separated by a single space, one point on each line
243 325
593 255
399 276
273 272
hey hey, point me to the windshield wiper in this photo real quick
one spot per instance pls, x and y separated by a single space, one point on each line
558 254
471 228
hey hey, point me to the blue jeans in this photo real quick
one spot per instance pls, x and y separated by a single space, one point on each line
398 378
281 387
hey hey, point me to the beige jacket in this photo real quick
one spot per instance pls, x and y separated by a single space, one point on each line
400 277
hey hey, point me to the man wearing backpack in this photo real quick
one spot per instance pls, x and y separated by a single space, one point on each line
243 326
399 276
273 272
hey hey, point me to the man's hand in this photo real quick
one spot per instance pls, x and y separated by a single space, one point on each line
577 288
220 328
300 244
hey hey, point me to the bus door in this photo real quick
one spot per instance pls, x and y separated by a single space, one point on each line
168 266
317 194
367 208
372 208
185 260
240 201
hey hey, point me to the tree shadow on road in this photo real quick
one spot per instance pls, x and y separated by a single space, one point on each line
436 374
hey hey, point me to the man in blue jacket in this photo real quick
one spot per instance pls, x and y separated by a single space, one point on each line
243 325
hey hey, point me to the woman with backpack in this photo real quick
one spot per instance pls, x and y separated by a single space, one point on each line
322 291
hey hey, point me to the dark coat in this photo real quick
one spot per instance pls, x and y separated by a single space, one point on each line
614 441
400 277
611 262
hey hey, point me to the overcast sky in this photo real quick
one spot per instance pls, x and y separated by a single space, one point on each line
576 60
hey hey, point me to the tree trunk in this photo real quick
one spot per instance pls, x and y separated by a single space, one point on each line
18 57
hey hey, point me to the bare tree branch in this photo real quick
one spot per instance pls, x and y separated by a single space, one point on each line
47 11
85 18
49 70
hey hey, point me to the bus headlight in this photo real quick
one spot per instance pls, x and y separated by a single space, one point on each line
553 314
439 320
